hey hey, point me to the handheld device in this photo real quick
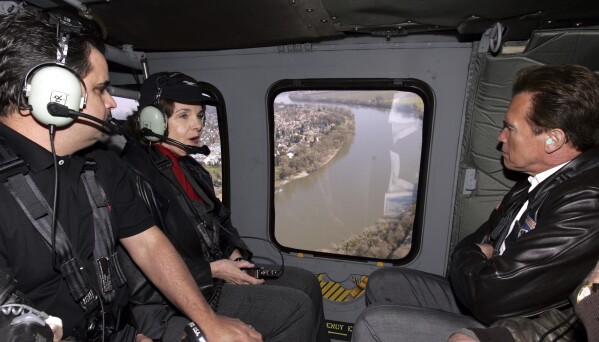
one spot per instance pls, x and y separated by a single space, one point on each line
263 273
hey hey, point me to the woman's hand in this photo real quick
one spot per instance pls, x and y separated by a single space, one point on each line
230 271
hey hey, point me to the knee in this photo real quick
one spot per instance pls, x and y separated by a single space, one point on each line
384 275
363 329
378 282
385 284
375 277
313 286
305 281
305 309
381 278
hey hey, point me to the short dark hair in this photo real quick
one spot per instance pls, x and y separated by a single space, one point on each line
167 106
27 38
564 97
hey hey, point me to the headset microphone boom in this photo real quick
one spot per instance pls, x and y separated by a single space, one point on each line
59 110
188 148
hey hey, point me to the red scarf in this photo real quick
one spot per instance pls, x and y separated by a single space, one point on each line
178 171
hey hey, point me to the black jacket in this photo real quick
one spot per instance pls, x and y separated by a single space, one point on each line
558 325
179 218
542 267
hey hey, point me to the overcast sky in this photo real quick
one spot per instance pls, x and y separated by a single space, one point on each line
124 107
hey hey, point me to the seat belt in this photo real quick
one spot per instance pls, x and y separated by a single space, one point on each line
14 176
107 263
164 166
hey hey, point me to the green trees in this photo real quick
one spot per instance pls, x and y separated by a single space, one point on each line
389 238
307 137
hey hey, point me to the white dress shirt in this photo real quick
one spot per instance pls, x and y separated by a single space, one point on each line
534 181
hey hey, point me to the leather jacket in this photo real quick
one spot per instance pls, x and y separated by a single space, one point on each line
558 325
183 222
550 325
542 267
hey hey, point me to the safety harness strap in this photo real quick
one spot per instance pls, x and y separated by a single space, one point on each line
107 265
34 205
164 166
14 174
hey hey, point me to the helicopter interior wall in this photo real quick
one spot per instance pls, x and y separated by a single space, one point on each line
471 92
489 97
244 77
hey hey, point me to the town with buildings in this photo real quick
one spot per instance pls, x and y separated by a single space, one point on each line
307 136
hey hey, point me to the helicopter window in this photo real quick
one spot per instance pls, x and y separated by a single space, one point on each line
346 170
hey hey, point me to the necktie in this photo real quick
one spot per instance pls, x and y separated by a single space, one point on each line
519 226
509 212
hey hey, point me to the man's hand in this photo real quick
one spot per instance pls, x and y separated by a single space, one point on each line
142 338
486 249
459 337
231 329
230 271
594 278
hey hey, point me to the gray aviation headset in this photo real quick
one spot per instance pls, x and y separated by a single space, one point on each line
53 82
152 117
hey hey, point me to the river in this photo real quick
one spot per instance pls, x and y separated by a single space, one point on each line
355 188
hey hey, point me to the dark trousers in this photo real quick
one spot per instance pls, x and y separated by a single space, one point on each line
409 305
285 309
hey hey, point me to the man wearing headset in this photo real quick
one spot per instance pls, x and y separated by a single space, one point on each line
34 259
180 194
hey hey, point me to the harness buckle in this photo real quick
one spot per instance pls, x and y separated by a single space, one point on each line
11 168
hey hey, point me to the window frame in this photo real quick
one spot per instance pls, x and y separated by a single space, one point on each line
221 115
407 85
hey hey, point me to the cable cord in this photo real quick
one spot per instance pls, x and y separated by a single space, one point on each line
52 131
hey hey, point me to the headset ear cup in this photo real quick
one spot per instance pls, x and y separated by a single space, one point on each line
152 118
53 84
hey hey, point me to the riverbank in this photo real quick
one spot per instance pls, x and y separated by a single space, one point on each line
307 138
383 99
305 173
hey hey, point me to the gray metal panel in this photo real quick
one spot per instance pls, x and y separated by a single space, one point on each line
244 77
